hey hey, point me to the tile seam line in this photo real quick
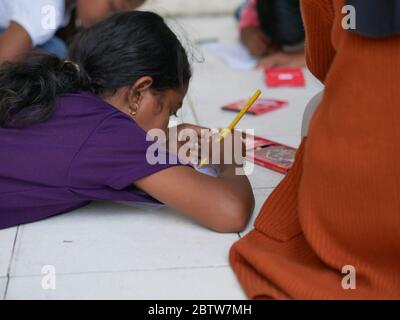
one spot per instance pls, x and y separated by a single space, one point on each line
124 271
8 276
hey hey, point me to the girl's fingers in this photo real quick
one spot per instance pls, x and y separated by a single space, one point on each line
203 146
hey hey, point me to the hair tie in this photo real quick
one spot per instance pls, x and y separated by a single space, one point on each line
81 72
76 66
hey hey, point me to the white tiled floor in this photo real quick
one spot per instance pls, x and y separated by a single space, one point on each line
3 283
194 283
7 238
114 251
106 237
262 178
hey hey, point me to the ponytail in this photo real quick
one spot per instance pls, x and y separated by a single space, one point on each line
28 89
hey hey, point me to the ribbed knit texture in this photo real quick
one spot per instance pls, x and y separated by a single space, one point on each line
340 203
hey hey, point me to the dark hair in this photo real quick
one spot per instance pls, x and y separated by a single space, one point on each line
281 20
110 55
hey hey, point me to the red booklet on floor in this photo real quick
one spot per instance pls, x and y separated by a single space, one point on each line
285 77
270 154
260 107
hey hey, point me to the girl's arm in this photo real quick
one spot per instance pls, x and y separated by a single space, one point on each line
91 12
251 34
15 42
223 204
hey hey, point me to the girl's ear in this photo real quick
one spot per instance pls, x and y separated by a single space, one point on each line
143 84
136 91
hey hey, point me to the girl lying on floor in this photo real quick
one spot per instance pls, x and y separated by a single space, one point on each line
76 131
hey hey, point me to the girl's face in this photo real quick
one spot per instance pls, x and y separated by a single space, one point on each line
154 109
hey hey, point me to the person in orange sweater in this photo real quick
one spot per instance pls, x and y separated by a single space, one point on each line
330 230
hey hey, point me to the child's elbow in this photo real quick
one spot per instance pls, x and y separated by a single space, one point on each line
236 216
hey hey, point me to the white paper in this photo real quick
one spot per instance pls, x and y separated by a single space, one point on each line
235 55
209 170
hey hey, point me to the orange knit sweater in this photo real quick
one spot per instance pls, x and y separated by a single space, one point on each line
340 204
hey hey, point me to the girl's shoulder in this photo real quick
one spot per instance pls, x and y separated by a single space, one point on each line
87 112
85 103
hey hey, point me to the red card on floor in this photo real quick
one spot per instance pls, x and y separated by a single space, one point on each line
288 77
260 107
270 154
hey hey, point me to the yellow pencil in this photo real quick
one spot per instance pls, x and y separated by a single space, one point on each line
225 132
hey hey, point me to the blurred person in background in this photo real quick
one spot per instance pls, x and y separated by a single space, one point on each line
273 31
28 24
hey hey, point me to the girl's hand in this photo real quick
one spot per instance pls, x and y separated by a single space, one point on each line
201 143
187 136
256 41
228 153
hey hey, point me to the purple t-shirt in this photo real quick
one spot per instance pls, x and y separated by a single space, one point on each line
87 150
